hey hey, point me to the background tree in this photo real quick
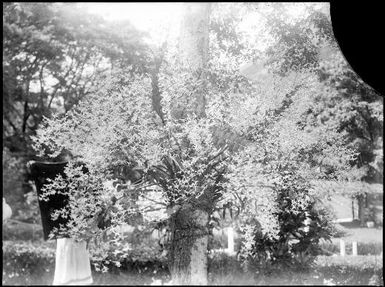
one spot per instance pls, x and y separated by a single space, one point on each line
354 107
54 55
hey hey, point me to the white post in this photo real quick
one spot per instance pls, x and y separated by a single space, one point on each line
307 222
342 247
230 240
354 247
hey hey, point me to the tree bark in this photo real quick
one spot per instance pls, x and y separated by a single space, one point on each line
189 225
188 249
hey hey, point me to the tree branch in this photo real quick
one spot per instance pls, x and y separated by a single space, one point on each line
155 201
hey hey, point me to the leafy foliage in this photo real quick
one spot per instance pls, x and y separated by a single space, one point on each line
53 56
301 229
25 262
258 145
353 107
14 183
29 264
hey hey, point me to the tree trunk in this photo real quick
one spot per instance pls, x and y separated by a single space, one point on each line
194 35
361 209
194 47
188 249
189 225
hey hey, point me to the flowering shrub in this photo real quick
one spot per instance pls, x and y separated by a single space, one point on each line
216 138
301 229
94 213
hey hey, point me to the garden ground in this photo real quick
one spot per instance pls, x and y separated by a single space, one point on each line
32 263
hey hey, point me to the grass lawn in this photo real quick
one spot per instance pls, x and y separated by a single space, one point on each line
327 271
369 240
34 265
361 234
